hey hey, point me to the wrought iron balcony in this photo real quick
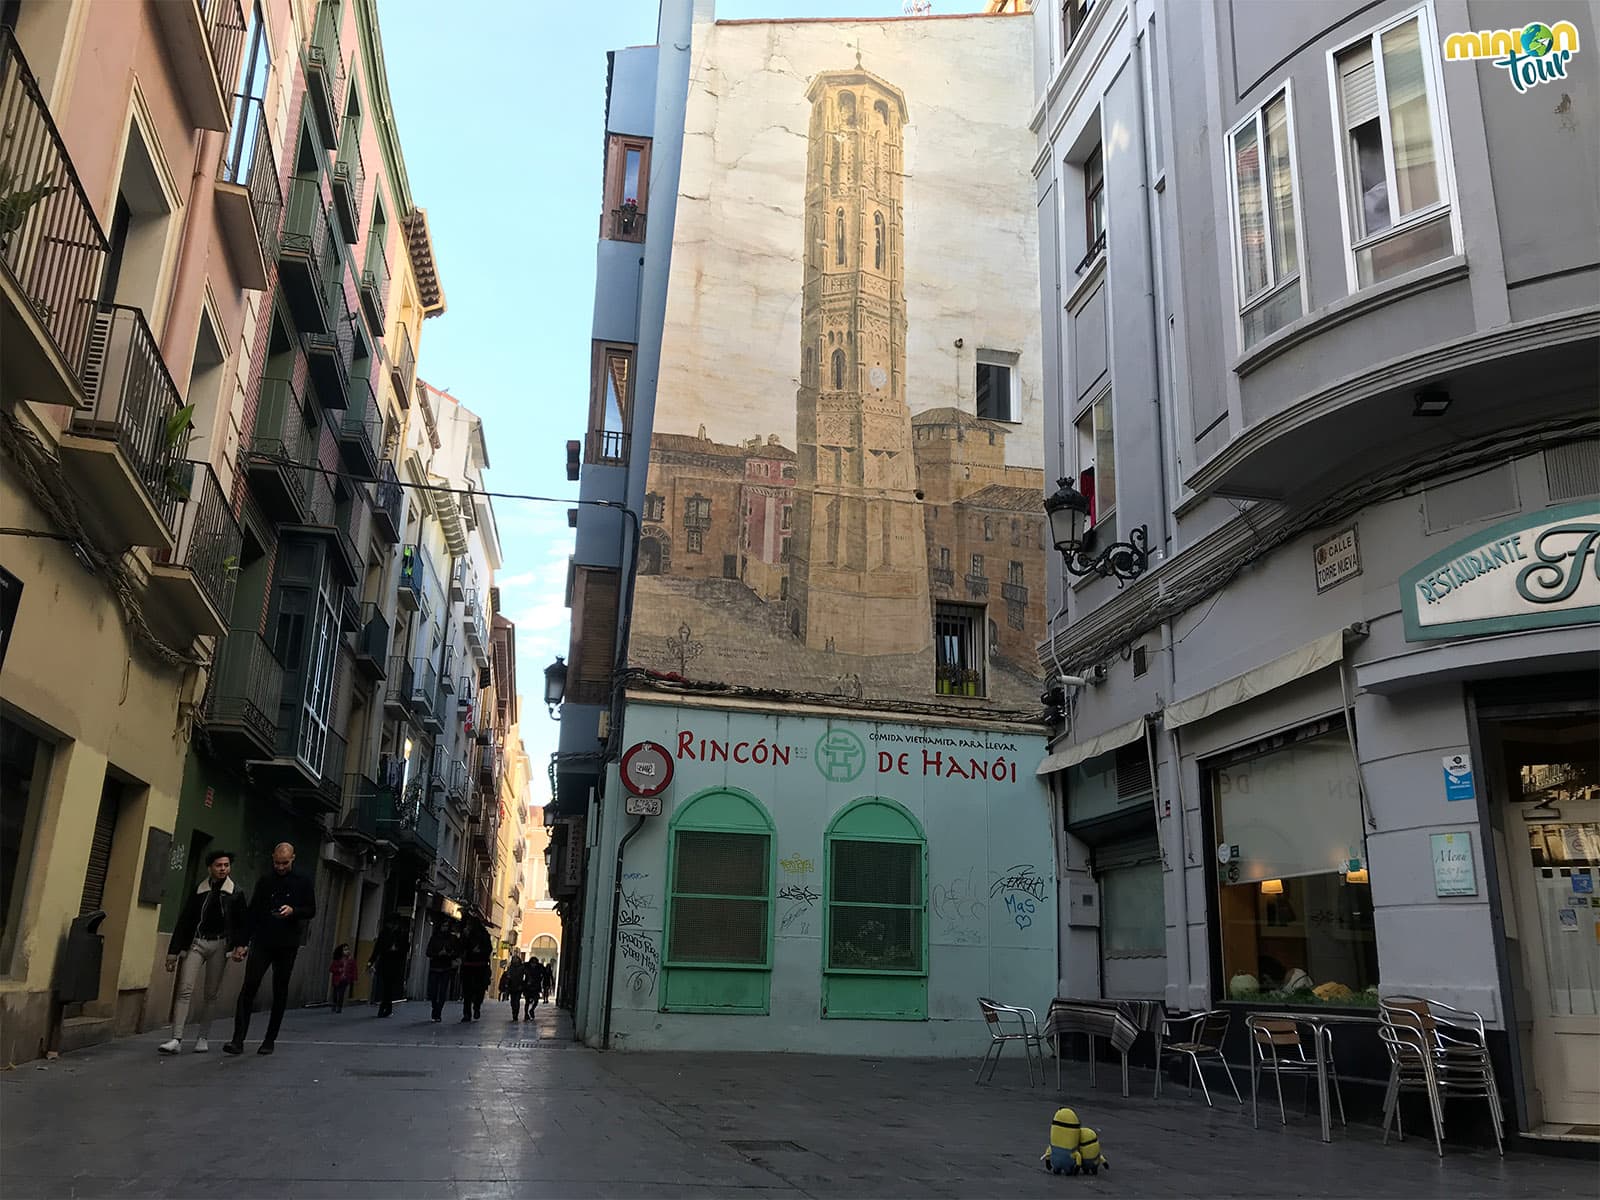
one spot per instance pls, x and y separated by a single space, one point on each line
447 677
419 586
205 45
52 249
1015 593
403 366
308 257
329 354
458 579
281 441
329 792
361 807
193 584
341 517
240 710
464 700
402 683
977 585
348 179
359 429
372 641
626 224
487 773
607 446
375 288
324 69
424 689
387 501
249 194
942 577
456 782
130 433
472 624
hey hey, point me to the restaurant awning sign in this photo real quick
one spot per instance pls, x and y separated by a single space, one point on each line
1535 570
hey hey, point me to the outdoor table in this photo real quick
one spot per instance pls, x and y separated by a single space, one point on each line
1122 1021
1319 1024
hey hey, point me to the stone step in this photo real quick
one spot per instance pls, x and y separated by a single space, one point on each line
77 1033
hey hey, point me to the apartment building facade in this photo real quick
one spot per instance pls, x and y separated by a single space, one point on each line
1331 606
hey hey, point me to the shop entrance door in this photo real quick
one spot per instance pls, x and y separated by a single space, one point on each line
1551 769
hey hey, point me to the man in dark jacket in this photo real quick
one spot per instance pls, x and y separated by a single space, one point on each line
444 949
389 962
279 907
213 927
476 950
514 982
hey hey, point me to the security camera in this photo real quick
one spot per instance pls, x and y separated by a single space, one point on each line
1077 681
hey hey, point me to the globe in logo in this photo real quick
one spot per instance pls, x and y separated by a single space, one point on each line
840 756
1537 39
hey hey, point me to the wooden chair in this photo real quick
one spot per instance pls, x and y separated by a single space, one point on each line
1276 1046
995 1016
1202 1041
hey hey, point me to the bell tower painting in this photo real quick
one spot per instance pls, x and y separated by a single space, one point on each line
858 567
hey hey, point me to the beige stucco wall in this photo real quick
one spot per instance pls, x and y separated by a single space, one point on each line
72 677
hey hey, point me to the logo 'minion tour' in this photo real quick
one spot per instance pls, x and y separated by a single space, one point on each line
1534 54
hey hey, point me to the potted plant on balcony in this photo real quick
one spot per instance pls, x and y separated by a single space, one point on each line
15 202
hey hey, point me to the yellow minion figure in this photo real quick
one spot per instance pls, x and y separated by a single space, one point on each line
1088 1156
1065 1138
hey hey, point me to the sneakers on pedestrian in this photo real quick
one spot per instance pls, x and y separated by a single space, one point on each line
233 1047
170 1046
264 1048
202 1046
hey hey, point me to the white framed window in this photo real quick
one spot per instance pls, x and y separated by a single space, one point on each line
1394 162
1097 458
1265 220
996 386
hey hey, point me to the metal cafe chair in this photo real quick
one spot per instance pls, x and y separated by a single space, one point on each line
996 1016
1276 1046
1441 1051
1201 1042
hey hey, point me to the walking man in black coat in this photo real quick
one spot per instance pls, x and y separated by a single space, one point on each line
476 950
389 962
279 907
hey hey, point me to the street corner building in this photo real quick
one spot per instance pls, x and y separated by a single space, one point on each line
1331 601
819 389
238 609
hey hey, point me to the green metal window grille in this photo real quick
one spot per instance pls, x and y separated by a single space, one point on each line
875 906
721 899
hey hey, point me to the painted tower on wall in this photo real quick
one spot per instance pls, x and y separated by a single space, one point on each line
857 564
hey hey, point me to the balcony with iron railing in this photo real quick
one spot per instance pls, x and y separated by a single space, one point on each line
130 432
403 365
464 694
52 249
424 690
329 791
193 584
240 709
607 446
359 429
308 257
456 783
371 641
386 814
249 195
331 354
626 224
402 684
977 585
349 177
388 499
324 71
472 624
942 577
458 579
447 671
281 442
205 45
360 807
1014 593
375 284
419 585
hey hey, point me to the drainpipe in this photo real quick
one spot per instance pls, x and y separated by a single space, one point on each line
611 943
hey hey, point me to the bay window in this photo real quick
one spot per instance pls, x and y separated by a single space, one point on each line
1294 908
1395 172
1265 221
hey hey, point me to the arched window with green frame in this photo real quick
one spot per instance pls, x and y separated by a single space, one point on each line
718 952
875 936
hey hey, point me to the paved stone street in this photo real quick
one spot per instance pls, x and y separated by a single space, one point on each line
351 1107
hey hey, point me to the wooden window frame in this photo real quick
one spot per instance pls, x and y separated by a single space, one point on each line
604 445
584 686
617 147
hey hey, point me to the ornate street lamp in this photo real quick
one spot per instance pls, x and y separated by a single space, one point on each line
1070 532
555 685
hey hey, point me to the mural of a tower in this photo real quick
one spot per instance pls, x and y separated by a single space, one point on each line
858 572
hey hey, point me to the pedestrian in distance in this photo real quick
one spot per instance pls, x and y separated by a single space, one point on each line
476 950
514 981
388 963
341 974
546 980
444 952
282 903
505 981
213 927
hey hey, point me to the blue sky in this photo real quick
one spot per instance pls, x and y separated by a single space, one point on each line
501 110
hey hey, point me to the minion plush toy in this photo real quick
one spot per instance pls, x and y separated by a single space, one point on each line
1089 1158
1065 1139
